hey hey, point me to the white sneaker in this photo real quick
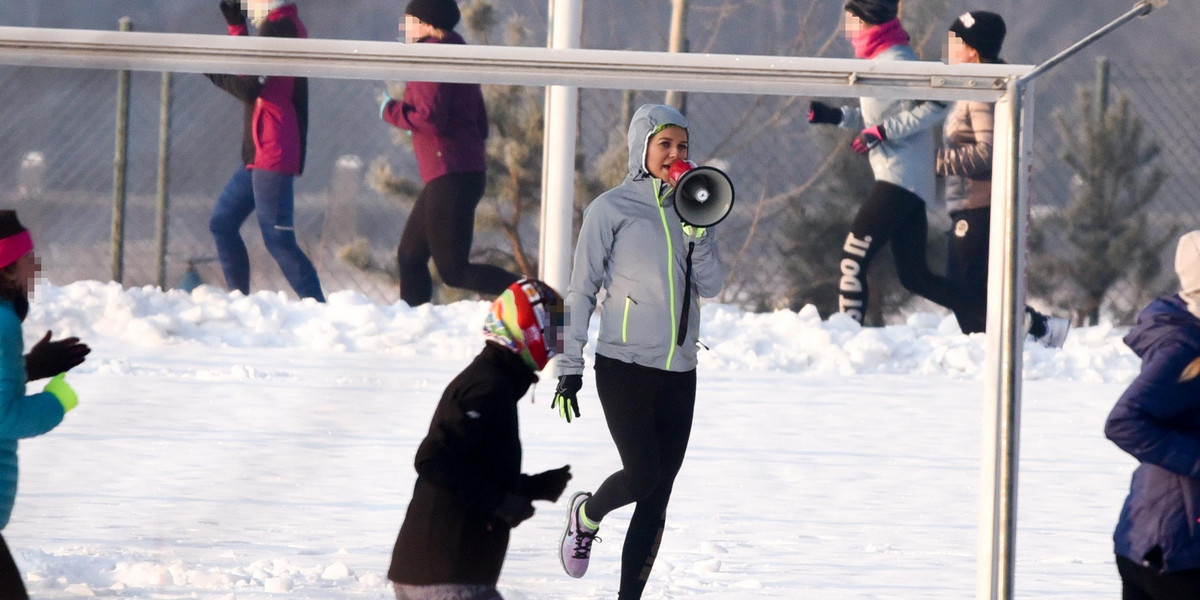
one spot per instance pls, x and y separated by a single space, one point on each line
1056 332
575 548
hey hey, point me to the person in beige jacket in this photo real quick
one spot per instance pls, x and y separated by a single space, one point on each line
965 162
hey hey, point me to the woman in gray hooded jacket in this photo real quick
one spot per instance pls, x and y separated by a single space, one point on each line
653 269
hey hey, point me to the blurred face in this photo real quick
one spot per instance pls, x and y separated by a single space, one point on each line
666 147
258 9
413 29
23 271
852 25
958 52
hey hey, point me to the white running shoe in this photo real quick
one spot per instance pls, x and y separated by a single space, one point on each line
575 548
1056 332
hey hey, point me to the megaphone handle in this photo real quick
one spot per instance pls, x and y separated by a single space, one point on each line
687 297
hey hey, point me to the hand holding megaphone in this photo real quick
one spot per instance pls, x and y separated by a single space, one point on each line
703 195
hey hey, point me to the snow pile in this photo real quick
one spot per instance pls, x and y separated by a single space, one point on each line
782 341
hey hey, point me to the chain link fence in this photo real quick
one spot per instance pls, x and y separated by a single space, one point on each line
56 167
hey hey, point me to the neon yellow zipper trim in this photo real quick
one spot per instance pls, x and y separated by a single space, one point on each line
670 274
625 322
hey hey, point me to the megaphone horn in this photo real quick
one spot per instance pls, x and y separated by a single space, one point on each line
703 195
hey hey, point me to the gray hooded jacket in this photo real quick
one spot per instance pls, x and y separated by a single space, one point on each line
906 157
633 246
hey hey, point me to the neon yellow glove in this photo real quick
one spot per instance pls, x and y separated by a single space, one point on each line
62 390
694 232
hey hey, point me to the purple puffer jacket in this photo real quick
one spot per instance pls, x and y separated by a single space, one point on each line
448 122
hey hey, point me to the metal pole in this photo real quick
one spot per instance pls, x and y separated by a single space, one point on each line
164 163
677 43
1006 323
1005 343
562 121
1140 9
120 167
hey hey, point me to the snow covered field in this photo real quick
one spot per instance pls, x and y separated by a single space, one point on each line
255 448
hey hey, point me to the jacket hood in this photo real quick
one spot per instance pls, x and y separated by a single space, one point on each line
1164 318
647 121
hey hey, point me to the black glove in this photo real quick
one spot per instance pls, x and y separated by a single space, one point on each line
564 397
819 112
548 485
232 9
47 358
514 509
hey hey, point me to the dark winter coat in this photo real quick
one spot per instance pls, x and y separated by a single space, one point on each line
468 461
1157 420
448 121
275 127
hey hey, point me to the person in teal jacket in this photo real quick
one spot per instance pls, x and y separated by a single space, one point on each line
653 270
21 415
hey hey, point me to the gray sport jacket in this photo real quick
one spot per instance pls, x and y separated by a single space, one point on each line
906 157
633 246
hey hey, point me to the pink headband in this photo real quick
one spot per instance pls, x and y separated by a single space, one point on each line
14 247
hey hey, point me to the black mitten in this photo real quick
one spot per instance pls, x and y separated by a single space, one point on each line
232 9
548 485
47 358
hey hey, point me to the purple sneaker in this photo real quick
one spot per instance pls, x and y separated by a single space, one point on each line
576 547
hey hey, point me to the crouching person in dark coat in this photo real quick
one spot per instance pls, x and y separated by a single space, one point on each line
470 490
1157 420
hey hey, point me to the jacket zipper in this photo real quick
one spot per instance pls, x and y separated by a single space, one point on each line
670 273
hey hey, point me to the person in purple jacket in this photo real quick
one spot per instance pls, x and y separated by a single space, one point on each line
273 147
449 126
1157 421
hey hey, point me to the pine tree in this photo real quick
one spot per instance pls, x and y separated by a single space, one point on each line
1103 237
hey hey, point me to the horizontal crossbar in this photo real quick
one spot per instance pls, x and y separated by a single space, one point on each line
606 69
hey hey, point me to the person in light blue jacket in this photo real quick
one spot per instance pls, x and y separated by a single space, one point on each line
652 270
21 415
898 136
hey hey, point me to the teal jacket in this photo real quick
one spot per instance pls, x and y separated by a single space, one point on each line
633 246
21 416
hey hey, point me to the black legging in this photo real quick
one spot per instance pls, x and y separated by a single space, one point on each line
649 414
1144 583
967 267
442 226
12 585
893 214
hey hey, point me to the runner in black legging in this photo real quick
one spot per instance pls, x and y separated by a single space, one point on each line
442 226
652 270
449 127
649 414
893 214
897 136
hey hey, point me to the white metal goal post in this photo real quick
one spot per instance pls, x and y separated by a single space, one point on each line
564 68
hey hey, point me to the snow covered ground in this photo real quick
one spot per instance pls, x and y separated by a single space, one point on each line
258 448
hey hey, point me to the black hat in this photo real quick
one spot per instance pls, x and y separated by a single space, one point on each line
15 240
874 12
982 30
442 14
9 225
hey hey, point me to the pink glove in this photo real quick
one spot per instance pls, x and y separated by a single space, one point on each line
868 139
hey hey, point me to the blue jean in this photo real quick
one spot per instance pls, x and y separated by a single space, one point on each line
271 197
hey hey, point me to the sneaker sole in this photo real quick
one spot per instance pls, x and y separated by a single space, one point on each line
567 531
